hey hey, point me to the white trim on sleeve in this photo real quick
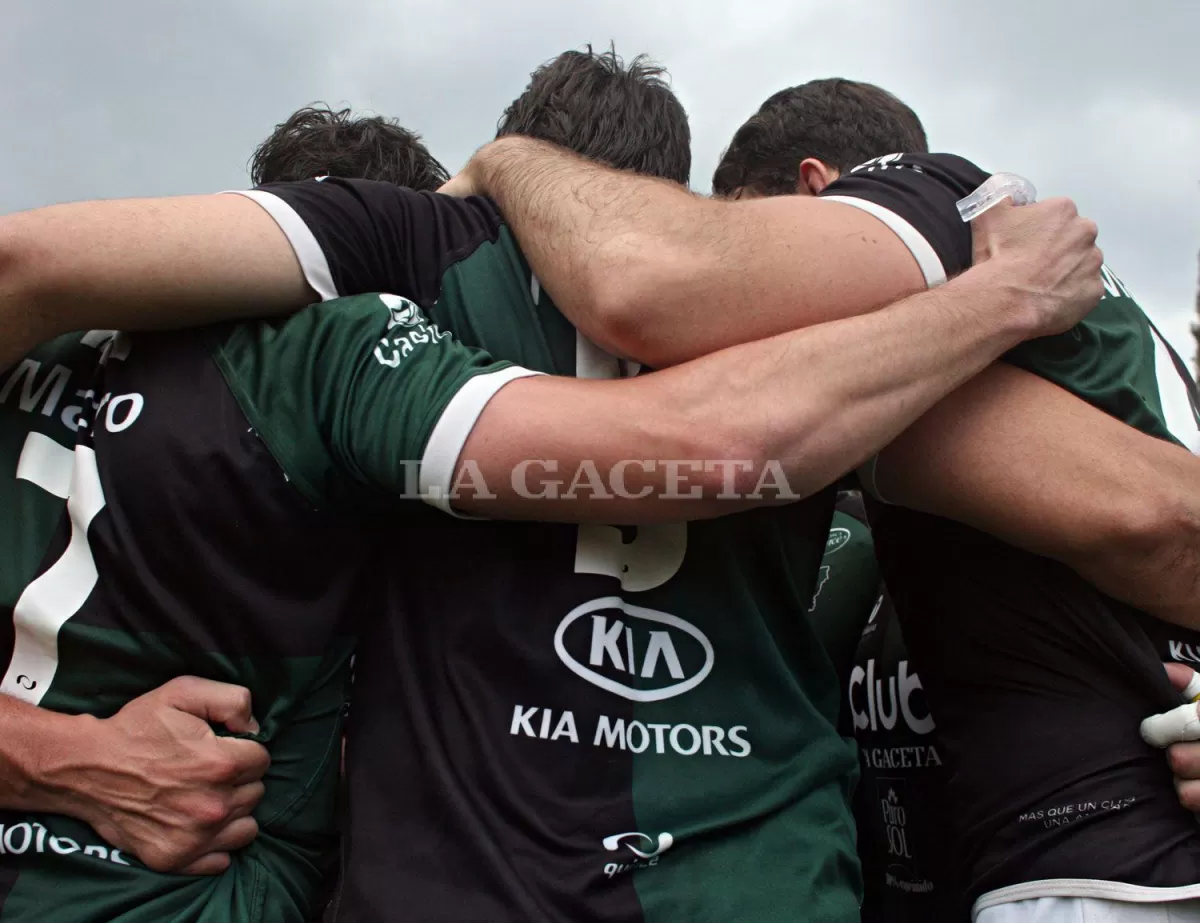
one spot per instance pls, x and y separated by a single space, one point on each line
918 246
451 431
304 244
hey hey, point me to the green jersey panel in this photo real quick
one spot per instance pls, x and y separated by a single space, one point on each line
848 586
1107 360
349 393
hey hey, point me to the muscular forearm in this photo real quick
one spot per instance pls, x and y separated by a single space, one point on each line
140 264
38 747
650 271
813 402
1016 456
1153 561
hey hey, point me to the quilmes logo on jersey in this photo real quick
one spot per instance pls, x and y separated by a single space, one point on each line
637 653
641 845
645 850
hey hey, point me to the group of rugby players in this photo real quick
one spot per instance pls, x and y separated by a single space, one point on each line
552 464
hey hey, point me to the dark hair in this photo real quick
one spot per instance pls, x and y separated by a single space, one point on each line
317 141
840 122
625 117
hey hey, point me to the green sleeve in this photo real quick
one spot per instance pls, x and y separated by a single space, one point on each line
361 398
1107 360
848 586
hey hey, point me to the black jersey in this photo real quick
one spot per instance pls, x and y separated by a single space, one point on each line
900 805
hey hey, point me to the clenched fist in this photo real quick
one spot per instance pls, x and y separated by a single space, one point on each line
1050 258
154 779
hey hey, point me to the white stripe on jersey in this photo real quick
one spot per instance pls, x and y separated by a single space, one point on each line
918 246
451 431
50 601
304 244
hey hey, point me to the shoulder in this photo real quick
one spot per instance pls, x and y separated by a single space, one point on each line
916 195
354 235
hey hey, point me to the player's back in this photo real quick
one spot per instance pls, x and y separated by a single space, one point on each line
149 533
589 722
1039 681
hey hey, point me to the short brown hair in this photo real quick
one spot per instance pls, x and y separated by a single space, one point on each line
840 122
319 141
592 104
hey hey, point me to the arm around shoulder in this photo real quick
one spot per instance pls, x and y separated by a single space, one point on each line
1016 456
139 264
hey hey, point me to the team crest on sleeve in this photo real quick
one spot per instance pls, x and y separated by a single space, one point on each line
838 538
404 313
406 330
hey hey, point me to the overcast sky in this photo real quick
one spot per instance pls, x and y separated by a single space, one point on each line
1091 98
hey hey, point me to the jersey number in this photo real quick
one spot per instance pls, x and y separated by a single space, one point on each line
656 553
53 598
651 559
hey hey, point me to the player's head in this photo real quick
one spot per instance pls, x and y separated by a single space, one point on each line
802 138
318 141
594 104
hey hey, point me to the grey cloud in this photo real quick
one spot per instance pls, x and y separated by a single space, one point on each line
1092 99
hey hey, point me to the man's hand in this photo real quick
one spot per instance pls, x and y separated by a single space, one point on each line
1184 755
156 781
1051 256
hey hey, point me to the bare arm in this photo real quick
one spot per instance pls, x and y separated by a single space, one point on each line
153 780
648 270
813 401
117 264
1016 456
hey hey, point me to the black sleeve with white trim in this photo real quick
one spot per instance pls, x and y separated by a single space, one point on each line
354 236
916 196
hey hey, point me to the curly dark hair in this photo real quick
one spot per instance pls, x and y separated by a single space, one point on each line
592 104
319 141
840 122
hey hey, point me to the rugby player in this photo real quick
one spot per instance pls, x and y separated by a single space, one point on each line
531 758
154 780
319 141
798 140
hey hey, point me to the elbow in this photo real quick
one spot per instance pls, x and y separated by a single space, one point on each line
739 461
1153 533
616 302
631 295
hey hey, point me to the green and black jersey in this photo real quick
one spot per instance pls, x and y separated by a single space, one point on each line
594 724
1037 680
848 585
202 504
584 723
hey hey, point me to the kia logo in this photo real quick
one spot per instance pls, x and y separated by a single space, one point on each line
632 642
